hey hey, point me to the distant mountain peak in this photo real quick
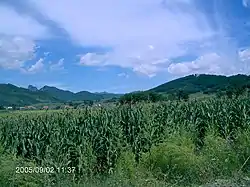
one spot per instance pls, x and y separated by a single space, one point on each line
46 87
196 75
101 92
32 88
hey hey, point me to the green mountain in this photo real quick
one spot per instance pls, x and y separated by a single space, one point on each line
13 95
62 95
32 88
66 95
203 83
10 94
106 95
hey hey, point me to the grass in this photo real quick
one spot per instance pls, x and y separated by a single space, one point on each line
162 144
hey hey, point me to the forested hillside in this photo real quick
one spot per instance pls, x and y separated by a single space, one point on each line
203 83
176 89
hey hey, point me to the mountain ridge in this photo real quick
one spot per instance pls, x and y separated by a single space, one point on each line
14 95
205 83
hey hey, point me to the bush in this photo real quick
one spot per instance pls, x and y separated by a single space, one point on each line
220 158
174 160
9 177
242 148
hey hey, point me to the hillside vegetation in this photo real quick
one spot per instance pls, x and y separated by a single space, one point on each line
174 90
203 83
13 95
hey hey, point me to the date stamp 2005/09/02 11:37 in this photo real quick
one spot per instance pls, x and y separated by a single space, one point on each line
46 170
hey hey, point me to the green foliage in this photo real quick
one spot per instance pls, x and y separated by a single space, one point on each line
181 95
10 94
233 86
139 97
9 176
221 159
65 95
88 102
145 144
203 83
126 165
175 160
242 148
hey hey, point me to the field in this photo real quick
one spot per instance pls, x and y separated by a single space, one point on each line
147 144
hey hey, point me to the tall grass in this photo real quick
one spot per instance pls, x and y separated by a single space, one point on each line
145 144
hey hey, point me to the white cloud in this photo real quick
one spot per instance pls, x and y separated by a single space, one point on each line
14 24
17 38
214 63
209 63
148 29
246 3
92 59
245 55
57 66
46 53
14 51
139 64
35 68
123 75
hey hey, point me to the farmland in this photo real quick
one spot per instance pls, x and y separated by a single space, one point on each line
173 143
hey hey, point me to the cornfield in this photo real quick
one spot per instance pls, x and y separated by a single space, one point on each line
93 139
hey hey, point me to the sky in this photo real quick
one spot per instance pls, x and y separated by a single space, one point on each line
121 46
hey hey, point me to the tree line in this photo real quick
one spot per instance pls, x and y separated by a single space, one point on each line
181 95
146 96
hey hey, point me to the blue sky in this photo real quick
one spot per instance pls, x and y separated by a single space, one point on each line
121 46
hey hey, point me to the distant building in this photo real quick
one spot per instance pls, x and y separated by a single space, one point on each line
31 108
68 107
45 108
9 108
27 108
97 105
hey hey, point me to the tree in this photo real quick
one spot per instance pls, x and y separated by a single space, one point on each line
154 97
88 102
2 107
139 97
219 94
14 107
229 92
71 103
239 91
181 95
172 97
57 107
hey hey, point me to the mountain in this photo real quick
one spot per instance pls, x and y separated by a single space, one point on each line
106 95
13 95
202 83
32 88
66 95
85 95
63 95
10 94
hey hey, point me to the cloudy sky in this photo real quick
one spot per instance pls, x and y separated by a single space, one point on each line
121 46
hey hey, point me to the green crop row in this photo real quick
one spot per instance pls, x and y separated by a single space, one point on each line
93 140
